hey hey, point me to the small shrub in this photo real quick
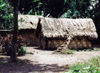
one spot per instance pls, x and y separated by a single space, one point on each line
63 52
6 43
22 50
66 52
69 52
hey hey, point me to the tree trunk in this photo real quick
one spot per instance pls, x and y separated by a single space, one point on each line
15 33
99 7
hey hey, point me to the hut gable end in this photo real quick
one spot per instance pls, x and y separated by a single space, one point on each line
28 21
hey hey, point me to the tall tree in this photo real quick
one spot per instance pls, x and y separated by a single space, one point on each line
15 30
15 33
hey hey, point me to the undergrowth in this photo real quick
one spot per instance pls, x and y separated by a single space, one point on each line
22 50
92 66
64 52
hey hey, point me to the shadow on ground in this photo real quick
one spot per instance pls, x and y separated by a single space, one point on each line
26 66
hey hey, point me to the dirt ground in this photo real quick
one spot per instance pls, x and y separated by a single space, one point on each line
44 61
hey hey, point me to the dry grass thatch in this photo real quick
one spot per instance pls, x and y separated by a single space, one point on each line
28 21
62 27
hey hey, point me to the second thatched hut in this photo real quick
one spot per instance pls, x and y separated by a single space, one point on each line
27 25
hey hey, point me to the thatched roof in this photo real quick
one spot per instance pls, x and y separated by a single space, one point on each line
62 27
28 21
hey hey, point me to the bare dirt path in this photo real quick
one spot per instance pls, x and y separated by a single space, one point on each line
44 61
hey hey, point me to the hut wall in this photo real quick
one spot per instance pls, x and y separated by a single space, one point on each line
29 37
74 43
80 43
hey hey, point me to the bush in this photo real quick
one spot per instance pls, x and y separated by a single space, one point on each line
6 43
66 51
84 68
92 66
22 50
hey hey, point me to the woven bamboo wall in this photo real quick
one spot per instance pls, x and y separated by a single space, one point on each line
75 43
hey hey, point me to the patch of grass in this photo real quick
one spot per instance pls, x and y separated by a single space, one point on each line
69 52
92 66
95 61
64 52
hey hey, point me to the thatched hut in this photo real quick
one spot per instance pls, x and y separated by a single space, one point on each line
66 33
27 25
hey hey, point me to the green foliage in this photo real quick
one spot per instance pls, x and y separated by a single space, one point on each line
67 14
66 51
53 8
14 2
69 52
92 66
33 7
80 9
38 8
61 8
6 15
22 50
95 62
85 68
21 20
